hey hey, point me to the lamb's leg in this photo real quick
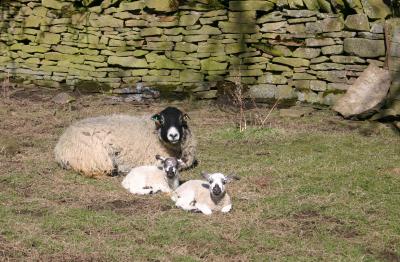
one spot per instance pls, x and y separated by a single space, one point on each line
206 210
147 190
226 209
186 202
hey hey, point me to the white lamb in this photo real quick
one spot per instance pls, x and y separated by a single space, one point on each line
144 180
204 196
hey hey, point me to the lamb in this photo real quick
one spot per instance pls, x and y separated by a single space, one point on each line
110 145
204 196
144 180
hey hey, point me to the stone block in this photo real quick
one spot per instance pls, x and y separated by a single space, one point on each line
131 6
162 62
319 42
262 91
187 20
34 49
160 46
235 28
300 13
210 48
293 62
130 62
55 4
347 59
48 38
307 53
250 5
300 84
285 92
190 76
234 48
303 76
204 30
151 31
269 78
32 21
186 47
162 6
278 68
357 22
275 16
364 47
327 66
273 27
106 21
375 9
136 23
65 49
318 85
332 50
212 65
331 24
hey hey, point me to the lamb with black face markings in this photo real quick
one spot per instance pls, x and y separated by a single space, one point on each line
204 196
144 180
110 145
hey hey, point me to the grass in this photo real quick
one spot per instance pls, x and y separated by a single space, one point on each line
313 188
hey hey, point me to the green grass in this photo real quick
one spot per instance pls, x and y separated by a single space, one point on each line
310 190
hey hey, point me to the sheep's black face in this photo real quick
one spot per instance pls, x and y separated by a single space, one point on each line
170 123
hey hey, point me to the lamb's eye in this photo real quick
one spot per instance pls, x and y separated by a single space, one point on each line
210 181
224 181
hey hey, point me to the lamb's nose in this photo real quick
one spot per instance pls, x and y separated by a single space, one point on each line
173 136
216 190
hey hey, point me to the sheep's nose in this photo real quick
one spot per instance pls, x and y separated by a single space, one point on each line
173 136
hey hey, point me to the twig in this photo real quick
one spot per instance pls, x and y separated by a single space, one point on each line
270 111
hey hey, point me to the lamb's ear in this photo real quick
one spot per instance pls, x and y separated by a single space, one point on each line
158 157
180 162
205 175
232 177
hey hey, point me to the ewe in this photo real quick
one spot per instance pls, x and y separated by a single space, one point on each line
108 145
144 180
204 196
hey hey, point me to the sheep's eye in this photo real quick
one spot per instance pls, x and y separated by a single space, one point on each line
162 121
224 181
210 181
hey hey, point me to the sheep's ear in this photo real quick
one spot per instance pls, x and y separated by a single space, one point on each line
232 177
186 117
156 117
157 120
158 157
205 175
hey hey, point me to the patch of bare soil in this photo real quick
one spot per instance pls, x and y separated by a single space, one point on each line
309 220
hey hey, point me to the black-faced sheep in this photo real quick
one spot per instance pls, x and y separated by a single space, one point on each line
204 196
144 180
108 145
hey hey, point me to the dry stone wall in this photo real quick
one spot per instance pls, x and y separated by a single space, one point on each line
281 49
